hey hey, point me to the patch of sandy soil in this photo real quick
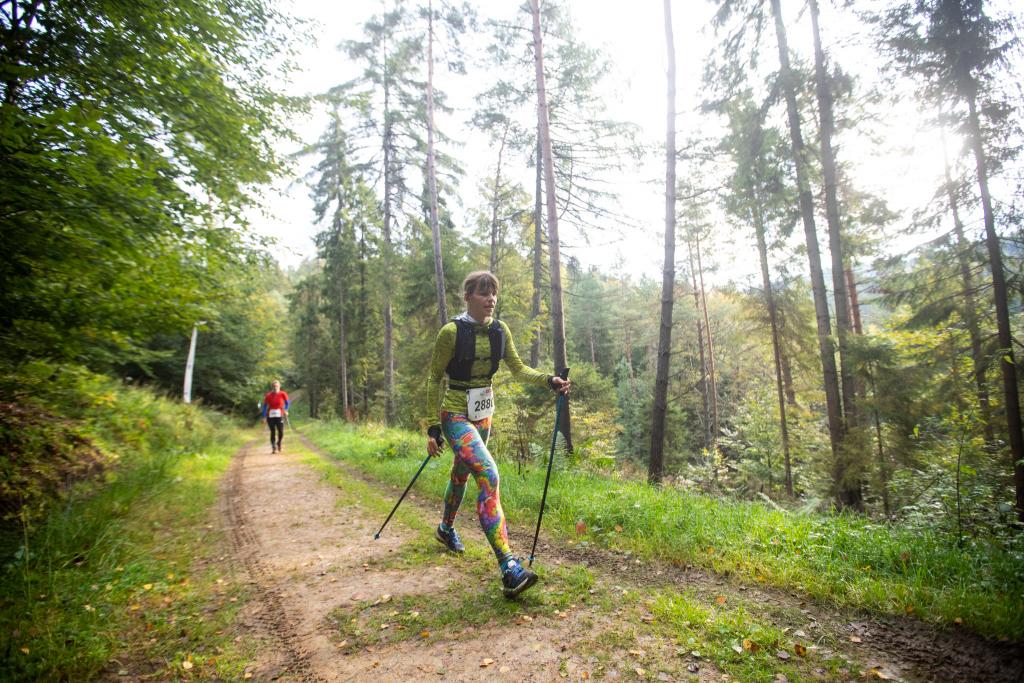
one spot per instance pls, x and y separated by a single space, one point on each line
890 647
305 556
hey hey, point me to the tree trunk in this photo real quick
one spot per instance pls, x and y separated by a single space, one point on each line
313 384
1011 395
791 391
846 492
703 382
389 355
557 317
342 355
656 465
713 388
435 228
769 297
835 231
883 466
495 203
342 332
854 300
963 248
538 255
630 372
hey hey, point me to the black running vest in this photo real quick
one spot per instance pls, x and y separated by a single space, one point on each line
460 367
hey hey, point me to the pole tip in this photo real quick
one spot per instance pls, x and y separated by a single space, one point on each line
376 536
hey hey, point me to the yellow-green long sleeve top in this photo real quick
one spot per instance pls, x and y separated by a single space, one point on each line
454 400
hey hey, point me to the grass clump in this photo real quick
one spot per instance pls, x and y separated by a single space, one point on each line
738 643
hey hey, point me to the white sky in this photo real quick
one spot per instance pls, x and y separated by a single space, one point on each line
632 34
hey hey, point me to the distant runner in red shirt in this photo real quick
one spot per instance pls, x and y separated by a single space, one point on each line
275 410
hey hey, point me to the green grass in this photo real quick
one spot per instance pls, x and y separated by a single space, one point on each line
738 643
840 559
121 573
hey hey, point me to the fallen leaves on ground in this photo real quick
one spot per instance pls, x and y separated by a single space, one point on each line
486 662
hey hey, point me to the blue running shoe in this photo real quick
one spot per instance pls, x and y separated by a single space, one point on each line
515 578
450 539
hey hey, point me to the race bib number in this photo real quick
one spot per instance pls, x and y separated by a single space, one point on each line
274 412
479 403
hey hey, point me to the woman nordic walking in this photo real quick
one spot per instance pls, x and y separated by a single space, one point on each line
468 350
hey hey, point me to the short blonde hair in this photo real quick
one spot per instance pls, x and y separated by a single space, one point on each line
480 281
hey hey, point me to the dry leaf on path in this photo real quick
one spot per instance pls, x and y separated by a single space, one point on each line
720 599
486 662
855 639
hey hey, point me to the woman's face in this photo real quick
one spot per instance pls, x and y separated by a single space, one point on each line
481 305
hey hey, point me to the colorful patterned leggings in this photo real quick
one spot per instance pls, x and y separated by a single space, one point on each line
469 444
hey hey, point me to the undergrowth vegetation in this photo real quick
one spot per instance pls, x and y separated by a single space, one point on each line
841 559
108 491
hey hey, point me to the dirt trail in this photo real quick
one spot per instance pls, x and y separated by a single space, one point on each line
307 556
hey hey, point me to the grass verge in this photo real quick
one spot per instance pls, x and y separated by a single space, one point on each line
120 574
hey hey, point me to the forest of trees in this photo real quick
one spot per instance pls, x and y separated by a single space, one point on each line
847 374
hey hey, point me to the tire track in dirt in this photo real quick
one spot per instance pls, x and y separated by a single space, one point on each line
896 647
267 613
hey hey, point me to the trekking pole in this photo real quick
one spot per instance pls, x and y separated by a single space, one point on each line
564 374
415 477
